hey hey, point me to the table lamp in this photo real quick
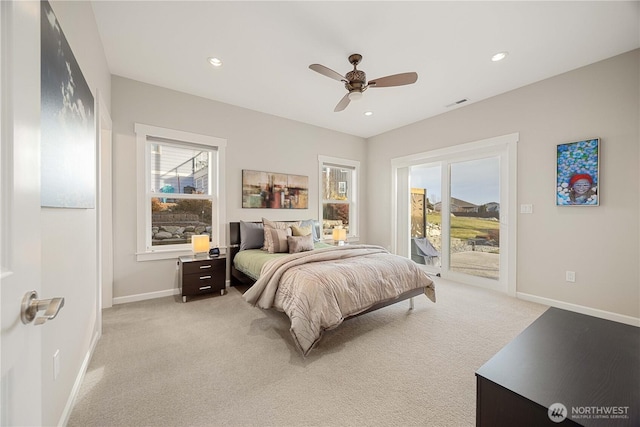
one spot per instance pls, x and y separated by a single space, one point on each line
200 244
339 235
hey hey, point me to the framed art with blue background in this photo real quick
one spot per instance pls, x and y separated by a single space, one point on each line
578 173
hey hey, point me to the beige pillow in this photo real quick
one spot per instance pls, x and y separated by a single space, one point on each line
277 240
300 243
278 225
298 230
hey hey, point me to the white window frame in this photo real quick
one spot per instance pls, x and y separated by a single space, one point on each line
145 133
504 146
354 202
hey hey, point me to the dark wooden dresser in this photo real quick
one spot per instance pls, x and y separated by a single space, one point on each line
585 365
202 275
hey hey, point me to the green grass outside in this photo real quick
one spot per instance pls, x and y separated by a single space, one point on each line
466 227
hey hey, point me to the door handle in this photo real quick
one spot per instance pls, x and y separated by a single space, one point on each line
31 305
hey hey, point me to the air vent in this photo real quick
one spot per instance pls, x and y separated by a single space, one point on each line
462 101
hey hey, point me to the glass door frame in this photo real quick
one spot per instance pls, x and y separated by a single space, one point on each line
504 147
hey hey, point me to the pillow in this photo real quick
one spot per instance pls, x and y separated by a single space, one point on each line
277 240
283 225
251 235
315 228
299 230
300 243
278 225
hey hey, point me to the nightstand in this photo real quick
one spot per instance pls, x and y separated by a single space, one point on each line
202 275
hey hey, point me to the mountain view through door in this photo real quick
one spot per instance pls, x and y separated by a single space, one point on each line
473 229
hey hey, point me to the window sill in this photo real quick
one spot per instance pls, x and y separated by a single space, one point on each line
159 255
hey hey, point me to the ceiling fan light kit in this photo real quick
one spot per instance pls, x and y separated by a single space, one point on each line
355 95
355 81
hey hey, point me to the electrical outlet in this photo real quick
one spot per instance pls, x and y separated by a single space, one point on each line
56 364
571 276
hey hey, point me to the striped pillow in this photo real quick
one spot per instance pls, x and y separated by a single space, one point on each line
277 240
279 225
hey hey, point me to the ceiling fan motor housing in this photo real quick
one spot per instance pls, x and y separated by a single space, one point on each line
357 80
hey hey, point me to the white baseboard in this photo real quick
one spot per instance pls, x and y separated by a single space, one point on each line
621 318
149 295
66 413
152 295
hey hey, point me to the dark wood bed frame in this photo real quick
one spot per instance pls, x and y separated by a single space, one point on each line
239 278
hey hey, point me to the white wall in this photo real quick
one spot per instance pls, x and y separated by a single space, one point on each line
69 264
254 141
601 244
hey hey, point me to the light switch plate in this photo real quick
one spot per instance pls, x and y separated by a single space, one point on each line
526 209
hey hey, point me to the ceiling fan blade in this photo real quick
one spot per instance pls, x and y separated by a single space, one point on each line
342 104
327 72
394 80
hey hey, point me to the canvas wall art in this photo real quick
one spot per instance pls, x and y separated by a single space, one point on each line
578 173
68 136
274 190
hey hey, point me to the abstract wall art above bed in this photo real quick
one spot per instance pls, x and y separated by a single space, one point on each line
274 190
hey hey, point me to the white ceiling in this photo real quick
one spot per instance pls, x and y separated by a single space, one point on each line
268 46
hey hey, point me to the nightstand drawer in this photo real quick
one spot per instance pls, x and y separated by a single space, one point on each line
202 277
204 266
195 285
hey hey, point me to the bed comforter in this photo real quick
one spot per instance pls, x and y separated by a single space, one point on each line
319 289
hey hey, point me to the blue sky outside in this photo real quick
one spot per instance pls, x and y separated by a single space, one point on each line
475 181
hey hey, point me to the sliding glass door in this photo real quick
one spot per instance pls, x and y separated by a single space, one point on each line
455 219
426 220
474 207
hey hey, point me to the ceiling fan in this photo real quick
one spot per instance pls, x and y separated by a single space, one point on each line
355 81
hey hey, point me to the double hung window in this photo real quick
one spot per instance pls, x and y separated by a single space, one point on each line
339 195
179 190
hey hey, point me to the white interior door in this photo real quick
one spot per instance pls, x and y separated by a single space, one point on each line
20 344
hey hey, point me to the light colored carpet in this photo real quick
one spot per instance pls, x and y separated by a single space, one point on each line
220 362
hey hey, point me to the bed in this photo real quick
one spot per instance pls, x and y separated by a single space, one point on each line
322 285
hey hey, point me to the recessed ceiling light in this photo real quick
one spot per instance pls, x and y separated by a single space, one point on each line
499 56
368 113
216 62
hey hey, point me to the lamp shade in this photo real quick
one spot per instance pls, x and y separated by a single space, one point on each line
339 235
200 243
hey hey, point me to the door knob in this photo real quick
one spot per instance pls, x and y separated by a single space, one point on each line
31 305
